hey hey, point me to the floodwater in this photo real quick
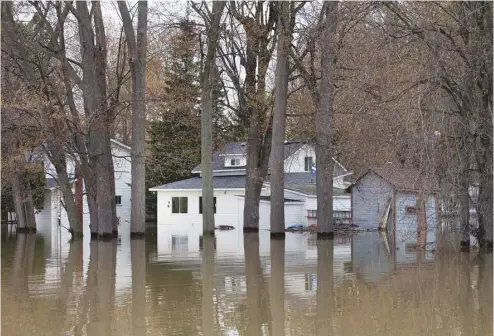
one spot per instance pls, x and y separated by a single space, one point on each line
352 285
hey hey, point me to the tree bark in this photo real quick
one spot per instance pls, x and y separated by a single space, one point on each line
279 122
207 87
58 159
137 62
93 51
323 119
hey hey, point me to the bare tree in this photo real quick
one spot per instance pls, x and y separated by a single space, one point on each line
207 86
137 46
323 119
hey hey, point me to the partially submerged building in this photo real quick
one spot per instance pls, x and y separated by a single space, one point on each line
389 198
179 203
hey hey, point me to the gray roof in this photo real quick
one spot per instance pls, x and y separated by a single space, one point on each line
301 182
236 148
219 182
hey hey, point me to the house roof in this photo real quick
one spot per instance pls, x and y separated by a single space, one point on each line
404 178
219 182
239 148
303 182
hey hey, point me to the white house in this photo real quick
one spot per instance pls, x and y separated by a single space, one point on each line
53 211
180 210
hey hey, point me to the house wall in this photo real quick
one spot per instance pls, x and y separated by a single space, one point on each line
293 214
407 224
370 196
296 162
226 208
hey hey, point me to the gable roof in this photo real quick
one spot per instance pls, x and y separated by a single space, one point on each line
404 178
219 182
239 148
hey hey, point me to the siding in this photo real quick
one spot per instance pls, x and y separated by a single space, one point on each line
370 197
407 225
296 162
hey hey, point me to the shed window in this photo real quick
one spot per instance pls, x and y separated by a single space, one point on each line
118 200
179 204
200 204
308 163
410 210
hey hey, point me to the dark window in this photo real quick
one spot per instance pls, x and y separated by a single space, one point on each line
118 200
232 162
308 163
179 204
200 204
410 210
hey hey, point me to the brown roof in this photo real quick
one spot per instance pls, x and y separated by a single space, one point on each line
405 178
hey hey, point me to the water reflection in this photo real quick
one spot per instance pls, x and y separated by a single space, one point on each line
277 287
352 285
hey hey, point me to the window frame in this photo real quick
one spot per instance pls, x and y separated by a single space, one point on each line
181 202
118 197
308 162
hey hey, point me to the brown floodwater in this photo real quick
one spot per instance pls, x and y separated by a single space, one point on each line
352 285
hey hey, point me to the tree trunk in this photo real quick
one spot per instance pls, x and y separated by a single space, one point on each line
484 212
137 62
279 122
464 199
323 119
207 87
24 208
93 51
58 159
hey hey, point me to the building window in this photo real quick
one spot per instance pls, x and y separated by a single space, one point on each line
118 200
410 210
308 163
179 204
200 204
180 243
235 162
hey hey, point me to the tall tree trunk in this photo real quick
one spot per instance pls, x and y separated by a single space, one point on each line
207 87
93 51
323 119
464 196
279 122
23 201
79 203
137 44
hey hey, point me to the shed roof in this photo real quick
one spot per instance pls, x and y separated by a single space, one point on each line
404 178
